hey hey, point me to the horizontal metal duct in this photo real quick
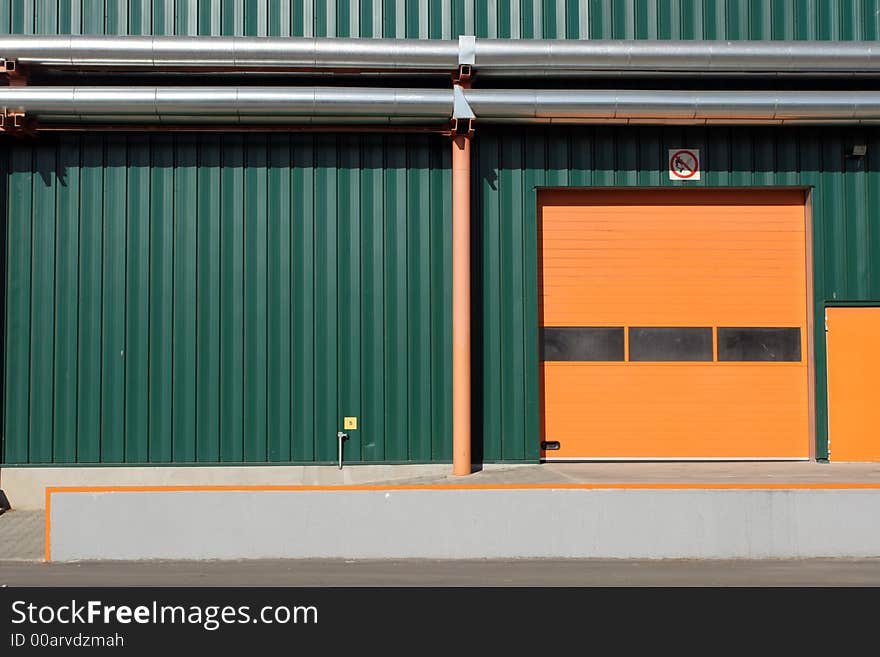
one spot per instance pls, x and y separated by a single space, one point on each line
488 56
292 105
680 107
219 53
228 104
578 57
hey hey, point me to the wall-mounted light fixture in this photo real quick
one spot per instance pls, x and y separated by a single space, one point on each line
857 150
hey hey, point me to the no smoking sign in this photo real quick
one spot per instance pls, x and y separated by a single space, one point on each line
684 164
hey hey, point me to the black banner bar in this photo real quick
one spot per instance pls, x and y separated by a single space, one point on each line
414 620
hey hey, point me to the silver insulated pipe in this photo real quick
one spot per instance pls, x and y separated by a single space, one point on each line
674 107
646 57
340 105
490 57
109 53
228 105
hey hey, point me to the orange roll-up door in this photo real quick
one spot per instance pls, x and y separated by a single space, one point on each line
674 324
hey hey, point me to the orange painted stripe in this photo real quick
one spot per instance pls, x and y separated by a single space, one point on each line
597 486
48 541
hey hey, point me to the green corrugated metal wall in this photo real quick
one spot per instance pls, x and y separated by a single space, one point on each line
121 335
127 340
202 299
527 19
512 163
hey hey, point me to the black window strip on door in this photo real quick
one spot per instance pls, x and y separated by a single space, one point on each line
667 344
759 344
582 343
670 344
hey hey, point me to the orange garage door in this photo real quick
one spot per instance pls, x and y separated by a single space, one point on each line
673 324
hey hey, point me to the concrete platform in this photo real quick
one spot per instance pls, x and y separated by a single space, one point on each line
494 521
773 497
714 472
26 486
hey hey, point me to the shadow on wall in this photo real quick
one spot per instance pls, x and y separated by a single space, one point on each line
307 150
591 155
572 151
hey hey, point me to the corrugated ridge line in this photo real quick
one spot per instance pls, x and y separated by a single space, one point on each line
596 19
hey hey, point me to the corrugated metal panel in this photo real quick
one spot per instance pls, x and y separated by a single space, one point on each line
204 299
134 335
133 341
571 19
512 162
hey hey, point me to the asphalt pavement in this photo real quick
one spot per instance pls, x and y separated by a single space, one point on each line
537 572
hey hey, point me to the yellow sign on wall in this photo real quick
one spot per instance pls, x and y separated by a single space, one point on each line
350 423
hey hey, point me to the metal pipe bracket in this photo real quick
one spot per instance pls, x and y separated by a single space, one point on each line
14 73
17 124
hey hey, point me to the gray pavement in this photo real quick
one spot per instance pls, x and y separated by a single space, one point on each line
22 535
812 572
715 472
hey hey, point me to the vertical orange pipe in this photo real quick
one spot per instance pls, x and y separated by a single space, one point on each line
461 305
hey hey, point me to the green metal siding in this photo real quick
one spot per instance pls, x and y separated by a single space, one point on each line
512 162
227 299
527 19
180 299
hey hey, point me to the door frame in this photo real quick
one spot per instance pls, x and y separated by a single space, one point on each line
810 355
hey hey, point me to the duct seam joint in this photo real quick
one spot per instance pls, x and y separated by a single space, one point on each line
461 109
467 48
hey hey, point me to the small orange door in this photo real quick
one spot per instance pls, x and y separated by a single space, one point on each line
674 324
853 337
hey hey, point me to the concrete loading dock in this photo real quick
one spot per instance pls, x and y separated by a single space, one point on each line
649 521
320 259
778 489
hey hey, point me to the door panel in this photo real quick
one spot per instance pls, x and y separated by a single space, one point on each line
677 270
853 383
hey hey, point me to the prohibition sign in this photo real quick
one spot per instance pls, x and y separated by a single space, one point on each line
684 164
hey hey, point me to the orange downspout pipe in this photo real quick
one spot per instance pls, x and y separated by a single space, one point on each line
461 305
